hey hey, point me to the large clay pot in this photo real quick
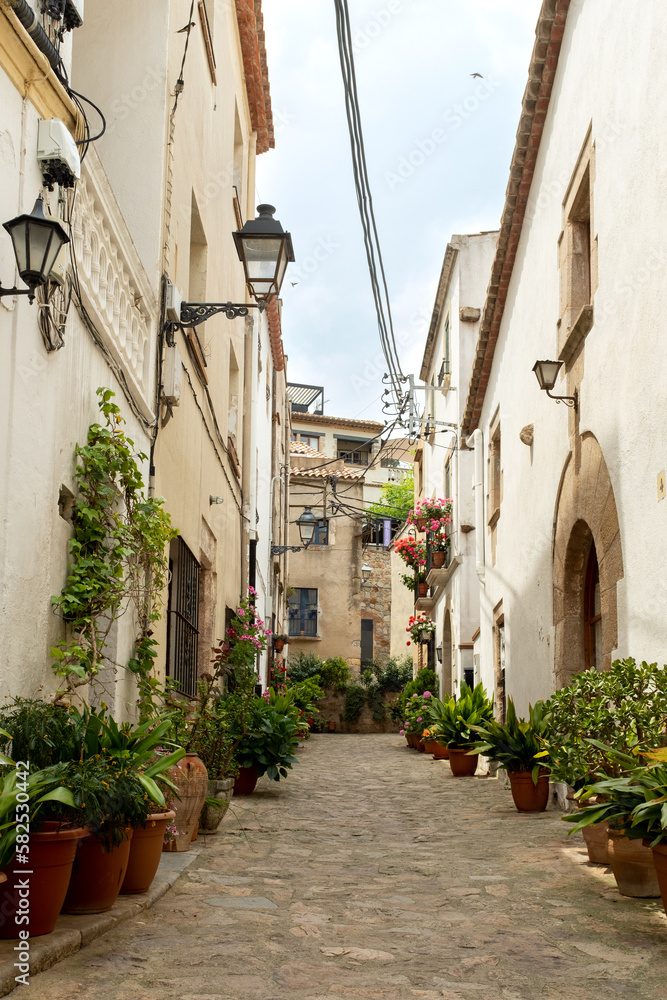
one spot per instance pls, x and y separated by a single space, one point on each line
52 852
430 746
529 797
145 853
245 781
191 777
423 589
463 765
440 751
420 745
632 865
660 862
596 840
220 789
438 560
413 740
97 875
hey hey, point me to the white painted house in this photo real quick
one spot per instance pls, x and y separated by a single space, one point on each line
441 468
573 520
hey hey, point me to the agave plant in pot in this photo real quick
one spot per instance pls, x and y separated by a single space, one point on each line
615 801
456 727
649 818
518 746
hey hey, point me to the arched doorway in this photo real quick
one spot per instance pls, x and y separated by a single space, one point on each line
447 656
587 564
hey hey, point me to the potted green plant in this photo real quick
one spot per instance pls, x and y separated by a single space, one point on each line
518 746
267 743
420 628
456 723
649 818
46 848
416 720
280 641
624 709
615 801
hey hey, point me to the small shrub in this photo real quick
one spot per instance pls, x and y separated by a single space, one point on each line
355 699
303 666
335 673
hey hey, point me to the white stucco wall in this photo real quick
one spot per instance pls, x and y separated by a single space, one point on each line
610 74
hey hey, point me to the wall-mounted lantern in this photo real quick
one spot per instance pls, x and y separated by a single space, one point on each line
307 524
366 571
438 652
546 373
265 250
37 241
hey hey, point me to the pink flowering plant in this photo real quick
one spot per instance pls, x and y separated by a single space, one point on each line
420 627
435 513
412 551
246 635
416 715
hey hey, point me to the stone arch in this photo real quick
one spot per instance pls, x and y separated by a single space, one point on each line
585 515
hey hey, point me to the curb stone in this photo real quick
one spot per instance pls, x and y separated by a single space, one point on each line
75 932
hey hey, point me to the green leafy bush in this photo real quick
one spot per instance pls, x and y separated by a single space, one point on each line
267 737
426 680
624 708
355 699
455 726
333 673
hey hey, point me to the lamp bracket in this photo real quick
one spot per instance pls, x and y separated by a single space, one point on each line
194 313
18 291
277 550
572 401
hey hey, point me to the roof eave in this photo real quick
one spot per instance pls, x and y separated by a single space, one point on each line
451 253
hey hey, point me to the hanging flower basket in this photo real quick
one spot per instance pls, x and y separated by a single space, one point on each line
421 628
430 515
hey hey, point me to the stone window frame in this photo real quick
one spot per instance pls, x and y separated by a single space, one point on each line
499 663
578 255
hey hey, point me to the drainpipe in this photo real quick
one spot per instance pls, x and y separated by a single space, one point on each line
476 440
26 15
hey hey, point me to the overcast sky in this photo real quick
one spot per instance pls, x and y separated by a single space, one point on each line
438 145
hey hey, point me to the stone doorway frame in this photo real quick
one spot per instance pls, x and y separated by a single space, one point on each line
585 513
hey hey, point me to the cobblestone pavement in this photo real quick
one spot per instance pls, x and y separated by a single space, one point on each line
372 874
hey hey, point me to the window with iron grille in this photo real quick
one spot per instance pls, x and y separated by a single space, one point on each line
183 617
303 611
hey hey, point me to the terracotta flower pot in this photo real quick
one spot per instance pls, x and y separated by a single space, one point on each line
632 865
596 840
529 797
440 751
430 746
462 764
332 725
423 589
413 740
245 781
222 790
52 853
420 523
660 862
145 854
97 875
191 777
438 560
278 645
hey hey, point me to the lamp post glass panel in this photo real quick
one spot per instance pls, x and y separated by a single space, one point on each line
264 249
307 524
366 573
37 241
546 373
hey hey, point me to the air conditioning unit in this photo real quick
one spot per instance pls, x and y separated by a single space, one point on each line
57 153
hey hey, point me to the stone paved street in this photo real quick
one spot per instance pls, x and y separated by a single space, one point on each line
372 874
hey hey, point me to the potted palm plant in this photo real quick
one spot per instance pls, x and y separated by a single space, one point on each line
456 726
518 746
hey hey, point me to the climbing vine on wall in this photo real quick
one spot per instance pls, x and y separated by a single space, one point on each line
118 557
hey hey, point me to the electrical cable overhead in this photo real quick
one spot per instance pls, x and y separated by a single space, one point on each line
365 203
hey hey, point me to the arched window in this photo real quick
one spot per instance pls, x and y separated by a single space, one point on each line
592 613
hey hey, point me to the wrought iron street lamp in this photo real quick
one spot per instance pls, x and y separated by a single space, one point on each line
366 571
37 241
546 373
264 249
307 524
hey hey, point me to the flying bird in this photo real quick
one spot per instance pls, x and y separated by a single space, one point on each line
186 28
478 75
293 283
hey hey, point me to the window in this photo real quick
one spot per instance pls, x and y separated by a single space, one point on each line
592 613
577 256
448 478
321 534
183 617
366 641
354 457
495 472
312 440
303 611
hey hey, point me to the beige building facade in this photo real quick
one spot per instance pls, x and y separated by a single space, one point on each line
159 196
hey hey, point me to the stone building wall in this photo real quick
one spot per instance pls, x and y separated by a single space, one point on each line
375 602
332 709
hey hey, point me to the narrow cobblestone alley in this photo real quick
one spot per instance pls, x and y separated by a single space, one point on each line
372 873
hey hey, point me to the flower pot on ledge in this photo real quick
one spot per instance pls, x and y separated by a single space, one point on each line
422 589
438 560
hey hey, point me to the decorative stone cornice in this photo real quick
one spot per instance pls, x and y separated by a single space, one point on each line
253 46
451 253
115 287
541 76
